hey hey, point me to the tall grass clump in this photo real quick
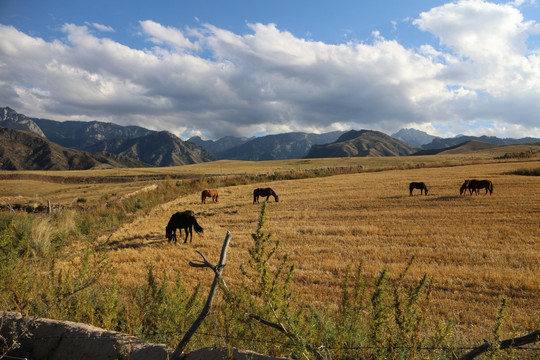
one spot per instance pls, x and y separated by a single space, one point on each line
41 236
265 297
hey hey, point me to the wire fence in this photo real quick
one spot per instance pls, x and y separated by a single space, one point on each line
120 336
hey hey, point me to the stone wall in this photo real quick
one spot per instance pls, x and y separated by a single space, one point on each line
39 338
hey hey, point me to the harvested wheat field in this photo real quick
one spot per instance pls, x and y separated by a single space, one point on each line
477 248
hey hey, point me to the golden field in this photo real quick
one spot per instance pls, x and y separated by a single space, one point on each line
477 248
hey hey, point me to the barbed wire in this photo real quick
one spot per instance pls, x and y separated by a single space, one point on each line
121 336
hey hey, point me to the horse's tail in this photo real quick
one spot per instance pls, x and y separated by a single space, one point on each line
196 225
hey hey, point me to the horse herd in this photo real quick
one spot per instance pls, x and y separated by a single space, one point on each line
472 185
186 219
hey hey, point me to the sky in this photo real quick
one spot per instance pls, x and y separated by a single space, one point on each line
215 68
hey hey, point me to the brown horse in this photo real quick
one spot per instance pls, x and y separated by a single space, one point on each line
476 185
464 187
209 193
418 185
264 192
182 220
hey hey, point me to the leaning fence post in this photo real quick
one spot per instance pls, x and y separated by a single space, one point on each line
218 269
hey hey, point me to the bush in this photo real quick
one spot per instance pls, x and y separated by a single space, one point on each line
526 172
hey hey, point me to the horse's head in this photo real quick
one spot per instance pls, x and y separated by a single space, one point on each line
426 190
168 233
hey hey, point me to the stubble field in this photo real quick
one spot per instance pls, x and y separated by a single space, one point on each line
477 248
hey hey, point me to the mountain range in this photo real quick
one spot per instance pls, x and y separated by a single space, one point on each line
22 150
362 143
147 147
414 137
293 145
98 144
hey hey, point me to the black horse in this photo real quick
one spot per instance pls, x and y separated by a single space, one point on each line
418 185
182 220
476 185
264 192
464 187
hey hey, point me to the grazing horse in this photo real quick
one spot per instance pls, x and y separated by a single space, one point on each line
209 193
418 185
182 220
264 192
464 187
476 185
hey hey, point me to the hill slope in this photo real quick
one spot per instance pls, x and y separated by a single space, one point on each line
440 143
218 147
11 119
142 145
22 150
293 145
157 148
362 143
414 137
83 134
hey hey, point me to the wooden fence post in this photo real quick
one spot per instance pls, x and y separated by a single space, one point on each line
505 344
218 269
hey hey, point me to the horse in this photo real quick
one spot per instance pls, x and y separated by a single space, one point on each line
209 193
264 192
182 220
476 185
418 185
464 187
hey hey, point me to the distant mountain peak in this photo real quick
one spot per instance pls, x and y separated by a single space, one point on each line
362 143
414 137
11 119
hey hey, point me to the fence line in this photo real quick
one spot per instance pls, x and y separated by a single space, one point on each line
284 343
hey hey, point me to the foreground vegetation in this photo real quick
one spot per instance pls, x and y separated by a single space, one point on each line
348 265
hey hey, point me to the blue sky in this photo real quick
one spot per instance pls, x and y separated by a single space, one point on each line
216 68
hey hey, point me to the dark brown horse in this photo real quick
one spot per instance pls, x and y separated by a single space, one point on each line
418 185
476 185
264 192
464 187
209 193
182 220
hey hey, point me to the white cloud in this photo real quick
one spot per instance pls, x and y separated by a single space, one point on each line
166 35
102 27
209 80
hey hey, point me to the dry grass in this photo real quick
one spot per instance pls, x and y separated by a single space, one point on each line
478 248
44 188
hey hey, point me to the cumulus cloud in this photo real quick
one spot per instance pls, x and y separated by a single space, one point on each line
212 82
